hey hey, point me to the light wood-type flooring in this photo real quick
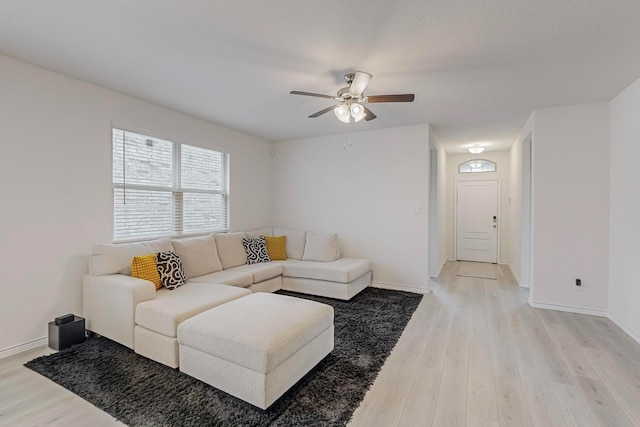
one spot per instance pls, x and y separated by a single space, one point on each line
474 354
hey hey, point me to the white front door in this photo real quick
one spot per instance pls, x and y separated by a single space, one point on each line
477 221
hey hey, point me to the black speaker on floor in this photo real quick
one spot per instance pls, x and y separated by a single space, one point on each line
63 334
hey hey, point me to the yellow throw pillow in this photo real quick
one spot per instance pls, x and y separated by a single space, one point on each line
145 267
277 247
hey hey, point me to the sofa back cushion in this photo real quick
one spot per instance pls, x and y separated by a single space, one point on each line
295 241
115 258
321 247
199 255
262 232
231 249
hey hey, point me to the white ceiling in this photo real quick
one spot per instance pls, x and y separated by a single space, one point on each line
477 67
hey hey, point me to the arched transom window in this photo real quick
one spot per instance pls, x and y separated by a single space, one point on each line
477 165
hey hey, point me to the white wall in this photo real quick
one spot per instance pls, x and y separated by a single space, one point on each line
502 173
624 220
365 193
55 171
570 212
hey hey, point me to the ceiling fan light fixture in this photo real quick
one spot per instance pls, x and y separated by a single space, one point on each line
342 113
351 99
357 112
476 149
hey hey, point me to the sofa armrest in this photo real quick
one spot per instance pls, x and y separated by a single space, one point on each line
109 304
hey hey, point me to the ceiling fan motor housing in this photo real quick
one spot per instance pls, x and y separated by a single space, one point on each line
344 95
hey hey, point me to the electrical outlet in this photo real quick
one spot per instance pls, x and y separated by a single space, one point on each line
578 285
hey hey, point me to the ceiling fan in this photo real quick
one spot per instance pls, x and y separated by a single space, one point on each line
351 99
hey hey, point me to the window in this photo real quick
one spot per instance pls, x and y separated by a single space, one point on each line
163 188
478 165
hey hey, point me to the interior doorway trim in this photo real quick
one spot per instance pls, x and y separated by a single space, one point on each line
435 263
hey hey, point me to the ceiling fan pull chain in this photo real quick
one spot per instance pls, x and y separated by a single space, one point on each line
349 132
124 169
344 136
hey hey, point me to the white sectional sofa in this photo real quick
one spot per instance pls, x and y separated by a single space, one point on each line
132 312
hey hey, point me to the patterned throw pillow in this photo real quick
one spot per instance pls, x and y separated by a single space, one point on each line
277 247
145 267
256 250
171 271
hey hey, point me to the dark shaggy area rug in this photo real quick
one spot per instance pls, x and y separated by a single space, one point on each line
140 392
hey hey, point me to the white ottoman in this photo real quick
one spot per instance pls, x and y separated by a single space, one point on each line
256 347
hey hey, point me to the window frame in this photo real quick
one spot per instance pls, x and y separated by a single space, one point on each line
176 189
469 162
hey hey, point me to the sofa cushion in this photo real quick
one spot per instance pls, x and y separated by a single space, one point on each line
146 267
321 247
230 249
259 331
226 277
115 258
261 272
256 250
199 255
277 247
171 270
169 308
343 270
295 241
262 232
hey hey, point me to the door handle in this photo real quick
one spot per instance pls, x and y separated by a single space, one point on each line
495 220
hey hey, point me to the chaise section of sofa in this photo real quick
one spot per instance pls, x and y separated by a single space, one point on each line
341 279
157 320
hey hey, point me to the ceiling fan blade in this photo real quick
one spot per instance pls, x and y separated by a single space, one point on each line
319 95
359 83
368 114
409 97
321 112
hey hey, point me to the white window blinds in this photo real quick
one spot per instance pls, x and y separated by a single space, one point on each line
163 188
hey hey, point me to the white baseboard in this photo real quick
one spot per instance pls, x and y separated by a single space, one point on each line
442 264
569 309
513 273
515 276
30 345
398 287
627 330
